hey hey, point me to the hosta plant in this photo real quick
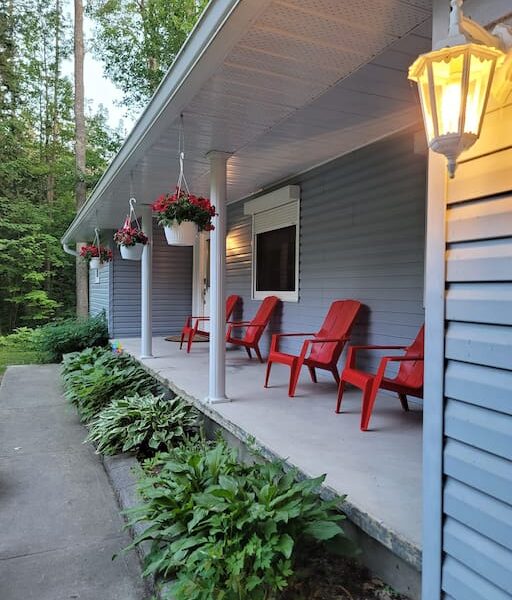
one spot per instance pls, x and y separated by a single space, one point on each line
142 423
230 531
111 376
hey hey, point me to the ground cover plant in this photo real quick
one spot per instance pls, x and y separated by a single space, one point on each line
228 530
142 423
20 348
72 335
95 377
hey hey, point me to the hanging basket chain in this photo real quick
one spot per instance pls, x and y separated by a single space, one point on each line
133 214
182 182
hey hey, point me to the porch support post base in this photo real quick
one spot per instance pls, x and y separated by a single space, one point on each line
224 400
218 195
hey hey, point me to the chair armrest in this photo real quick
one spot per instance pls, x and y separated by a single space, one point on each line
323 340
403 358
239 324
351 354
381 371
355 348
274 344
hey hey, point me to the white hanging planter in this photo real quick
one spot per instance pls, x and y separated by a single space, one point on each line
94 263
183 234
132 252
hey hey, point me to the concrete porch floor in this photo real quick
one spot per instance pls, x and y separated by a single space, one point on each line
379 470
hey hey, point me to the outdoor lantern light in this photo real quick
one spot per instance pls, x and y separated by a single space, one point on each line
454 83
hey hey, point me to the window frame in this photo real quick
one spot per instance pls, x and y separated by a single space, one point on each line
287 195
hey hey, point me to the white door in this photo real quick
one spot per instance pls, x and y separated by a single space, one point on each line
201 291
206 283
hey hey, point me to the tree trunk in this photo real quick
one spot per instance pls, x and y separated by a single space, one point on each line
82 273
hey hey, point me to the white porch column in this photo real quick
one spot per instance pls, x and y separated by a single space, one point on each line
218 193
146 286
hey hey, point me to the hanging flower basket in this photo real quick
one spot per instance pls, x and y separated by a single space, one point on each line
182 215
131 240
183 234
95 255
132 252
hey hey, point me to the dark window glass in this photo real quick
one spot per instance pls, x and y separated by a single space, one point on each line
275 260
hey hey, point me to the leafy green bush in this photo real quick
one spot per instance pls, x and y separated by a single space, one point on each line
72 335
95 377
227 530
23 338
142 423
20 348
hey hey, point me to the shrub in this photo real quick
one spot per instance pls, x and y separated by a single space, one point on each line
71 335
228 530
20 348
96 377
142 423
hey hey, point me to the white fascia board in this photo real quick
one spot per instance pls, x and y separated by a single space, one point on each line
215 33
273 199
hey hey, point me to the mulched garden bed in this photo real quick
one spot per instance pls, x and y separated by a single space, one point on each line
328 577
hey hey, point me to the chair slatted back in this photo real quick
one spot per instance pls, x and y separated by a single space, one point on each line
410 374
337 324
231 302
262 318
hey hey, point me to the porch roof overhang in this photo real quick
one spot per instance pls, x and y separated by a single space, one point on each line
282 85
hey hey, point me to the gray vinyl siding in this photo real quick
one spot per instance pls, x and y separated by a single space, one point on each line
99 293
477 499
362 235
172 289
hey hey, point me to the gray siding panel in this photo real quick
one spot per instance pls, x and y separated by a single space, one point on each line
99 293
477 531
465 584
362 234
459 542
172 289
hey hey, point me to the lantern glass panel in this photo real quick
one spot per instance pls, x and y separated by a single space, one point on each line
448 80
480 71
426 103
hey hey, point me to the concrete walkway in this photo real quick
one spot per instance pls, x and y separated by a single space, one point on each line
59 519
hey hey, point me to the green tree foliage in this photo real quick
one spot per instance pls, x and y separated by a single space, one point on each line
36 162
137 40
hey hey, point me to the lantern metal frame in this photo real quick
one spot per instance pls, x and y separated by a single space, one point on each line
467 38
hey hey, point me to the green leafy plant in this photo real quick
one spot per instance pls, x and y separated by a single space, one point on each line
96 377
71 335
226 530
144 424
20 348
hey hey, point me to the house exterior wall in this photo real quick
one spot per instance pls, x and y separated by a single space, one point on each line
362 234
100 293
477 499
172 289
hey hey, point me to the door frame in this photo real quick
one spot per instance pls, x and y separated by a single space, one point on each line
199 273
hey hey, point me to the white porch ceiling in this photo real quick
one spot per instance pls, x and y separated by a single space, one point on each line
294 84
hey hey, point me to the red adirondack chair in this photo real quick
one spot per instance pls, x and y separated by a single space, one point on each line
253 329
408 381
191 328
324 347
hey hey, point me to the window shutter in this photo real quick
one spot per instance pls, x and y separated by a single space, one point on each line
275 218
